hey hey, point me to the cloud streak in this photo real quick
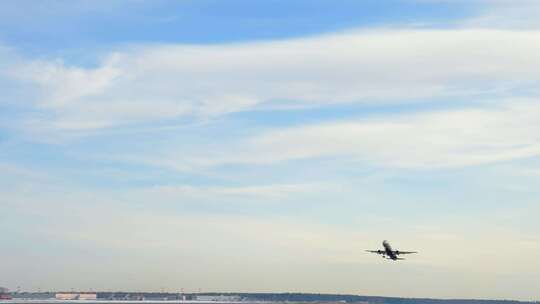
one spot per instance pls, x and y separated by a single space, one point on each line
519 14
436 139
168 82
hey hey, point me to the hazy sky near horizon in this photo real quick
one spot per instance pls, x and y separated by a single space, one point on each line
263 145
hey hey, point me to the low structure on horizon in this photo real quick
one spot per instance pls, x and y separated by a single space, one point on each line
4 294
76 296
217 298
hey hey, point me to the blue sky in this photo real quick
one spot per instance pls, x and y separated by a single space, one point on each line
170 144
58 27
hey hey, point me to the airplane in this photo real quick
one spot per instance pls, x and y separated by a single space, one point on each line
392 254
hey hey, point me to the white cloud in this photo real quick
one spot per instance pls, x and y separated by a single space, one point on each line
503 14
65 85
420 140
445 139
376 66
253 193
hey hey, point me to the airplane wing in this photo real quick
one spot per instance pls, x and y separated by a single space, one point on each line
376 251
398 252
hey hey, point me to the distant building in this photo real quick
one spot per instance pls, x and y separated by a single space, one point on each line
4 294
88 296
217 298
67 296
76 296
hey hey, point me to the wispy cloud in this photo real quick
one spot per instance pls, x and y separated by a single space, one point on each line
253 193
519 14
433 139
164 82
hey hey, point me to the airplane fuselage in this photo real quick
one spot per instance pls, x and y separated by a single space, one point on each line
389 251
